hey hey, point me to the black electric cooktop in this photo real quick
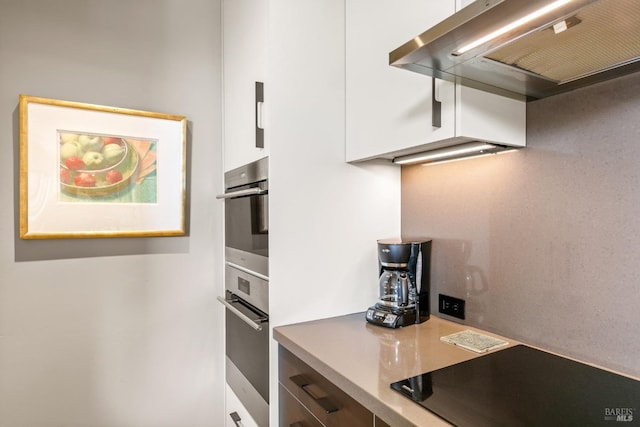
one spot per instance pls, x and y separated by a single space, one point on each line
522 386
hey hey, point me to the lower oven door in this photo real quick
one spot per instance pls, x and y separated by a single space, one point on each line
247 351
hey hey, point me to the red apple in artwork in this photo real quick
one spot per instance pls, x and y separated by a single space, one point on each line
85 179
113 176
65 176
110 140
74 163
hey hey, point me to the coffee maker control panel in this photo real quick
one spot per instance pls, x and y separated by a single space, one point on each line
382 318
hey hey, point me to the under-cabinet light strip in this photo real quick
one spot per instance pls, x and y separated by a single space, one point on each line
444 153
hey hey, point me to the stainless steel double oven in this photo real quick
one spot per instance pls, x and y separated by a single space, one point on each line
246 298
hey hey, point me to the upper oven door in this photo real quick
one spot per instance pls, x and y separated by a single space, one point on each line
247 218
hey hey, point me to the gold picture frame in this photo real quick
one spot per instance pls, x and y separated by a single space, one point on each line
90 171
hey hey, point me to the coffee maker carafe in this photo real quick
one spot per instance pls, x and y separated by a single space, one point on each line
404 272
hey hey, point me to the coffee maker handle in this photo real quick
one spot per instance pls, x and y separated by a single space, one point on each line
418 280
404 290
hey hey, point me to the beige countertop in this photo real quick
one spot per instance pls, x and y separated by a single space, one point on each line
364 359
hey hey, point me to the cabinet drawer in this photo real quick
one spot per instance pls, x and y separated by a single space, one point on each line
292 413
332 406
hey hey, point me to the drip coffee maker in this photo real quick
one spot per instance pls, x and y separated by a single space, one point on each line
404 272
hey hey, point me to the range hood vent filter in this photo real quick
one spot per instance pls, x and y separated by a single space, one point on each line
590 44
513 48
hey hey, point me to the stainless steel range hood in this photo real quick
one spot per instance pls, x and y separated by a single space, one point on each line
536 48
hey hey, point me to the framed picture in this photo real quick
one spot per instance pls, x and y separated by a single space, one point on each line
94 171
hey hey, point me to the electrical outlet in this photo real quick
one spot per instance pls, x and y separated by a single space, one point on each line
451 306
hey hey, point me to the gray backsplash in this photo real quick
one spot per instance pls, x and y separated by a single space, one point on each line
544 243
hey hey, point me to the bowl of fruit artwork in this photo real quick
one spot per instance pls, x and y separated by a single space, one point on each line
95 165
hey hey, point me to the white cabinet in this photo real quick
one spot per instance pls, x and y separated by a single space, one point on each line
323 212
244 64
234 410
389 110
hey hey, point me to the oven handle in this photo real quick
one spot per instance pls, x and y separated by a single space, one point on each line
253 323
239 193
246 270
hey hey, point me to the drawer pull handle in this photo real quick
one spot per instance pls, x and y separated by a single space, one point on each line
236 419
325 403
296 424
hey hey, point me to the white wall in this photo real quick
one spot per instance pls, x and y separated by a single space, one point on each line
326 215
113 332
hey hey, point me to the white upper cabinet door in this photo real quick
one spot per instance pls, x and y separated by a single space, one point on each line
244 63
389 109
463 3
